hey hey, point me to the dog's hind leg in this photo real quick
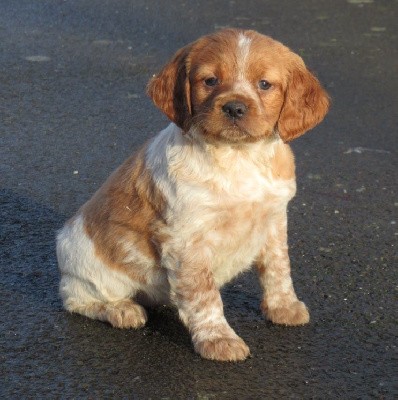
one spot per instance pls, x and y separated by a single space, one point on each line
91 288
120 314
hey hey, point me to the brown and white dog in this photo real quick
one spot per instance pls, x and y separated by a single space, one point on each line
203 200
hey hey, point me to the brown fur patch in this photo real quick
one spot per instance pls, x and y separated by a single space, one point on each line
306 103
121 215
170 89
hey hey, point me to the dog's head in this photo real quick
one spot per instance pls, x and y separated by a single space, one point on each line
239 86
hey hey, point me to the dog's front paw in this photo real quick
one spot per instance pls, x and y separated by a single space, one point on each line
294 314
223 349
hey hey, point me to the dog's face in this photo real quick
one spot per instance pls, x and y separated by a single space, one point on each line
239 86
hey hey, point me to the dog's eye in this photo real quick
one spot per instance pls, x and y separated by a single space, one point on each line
264 85
211 81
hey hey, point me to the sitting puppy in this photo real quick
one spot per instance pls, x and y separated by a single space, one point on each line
203 200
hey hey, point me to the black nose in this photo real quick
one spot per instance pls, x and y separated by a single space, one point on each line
234 109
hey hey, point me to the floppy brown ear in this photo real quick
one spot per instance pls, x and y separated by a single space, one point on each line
170 89
306 104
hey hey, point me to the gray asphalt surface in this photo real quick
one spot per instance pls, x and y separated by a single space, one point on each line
73 107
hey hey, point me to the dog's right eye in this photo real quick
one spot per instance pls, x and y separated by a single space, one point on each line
211 81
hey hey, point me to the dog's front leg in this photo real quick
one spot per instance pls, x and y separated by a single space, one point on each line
280 303
200 306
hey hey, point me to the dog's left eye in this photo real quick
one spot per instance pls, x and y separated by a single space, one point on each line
264 85
211 81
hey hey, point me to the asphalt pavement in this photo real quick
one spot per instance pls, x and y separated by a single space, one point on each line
73 107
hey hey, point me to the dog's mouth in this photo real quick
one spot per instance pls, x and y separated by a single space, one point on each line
236 131
229 130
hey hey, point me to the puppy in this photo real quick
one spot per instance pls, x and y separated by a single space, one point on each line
202 201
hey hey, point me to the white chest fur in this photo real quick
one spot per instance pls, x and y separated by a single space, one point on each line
219 199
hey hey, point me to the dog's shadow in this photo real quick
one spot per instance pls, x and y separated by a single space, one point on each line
164 321
28 260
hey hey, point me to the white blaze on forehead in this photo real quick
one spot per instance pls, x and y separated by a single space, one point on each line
242 55
244 43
